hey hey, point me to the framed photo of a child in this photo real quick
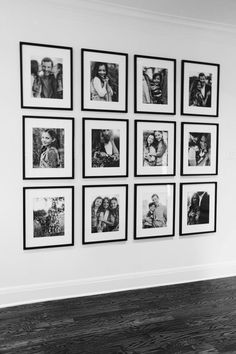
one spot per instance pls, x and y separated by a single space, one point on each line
154 210
48 219
200 88
105 147
46 76
199 149
154 85
104 84
48 147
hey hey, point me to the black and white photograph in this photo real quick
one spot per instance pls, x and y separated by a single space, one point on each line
200 88
154 85
104 213
104 80
199 149
154 210
154 148
197 207
48 217
46 76
105 147
48 147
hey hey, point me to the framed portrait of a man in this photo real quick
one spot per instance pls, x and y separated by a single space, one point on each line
154 210
154 85
105 147
105 213
200 88
199 149
104 84
198 203
155 148
46 76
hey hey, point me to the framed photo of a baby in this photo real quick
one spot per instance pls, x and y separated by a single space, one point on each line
199 149
154 148
154 85
198 202
105 147
48 147
104 81
200 88
46 76
154 210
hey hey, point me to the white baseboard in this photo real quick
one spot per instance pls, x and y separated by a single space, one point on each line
19 295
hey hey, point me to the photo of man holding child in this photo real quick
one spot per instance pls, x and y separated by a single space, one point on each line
155 212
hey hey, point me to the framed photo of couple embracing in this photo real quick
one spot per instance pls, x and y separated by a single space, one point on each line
154 148
154 213
200 88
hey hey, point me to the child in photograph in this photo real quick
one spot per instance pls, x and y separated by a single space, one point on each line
49 157
99 87
148 221
161 148
156 90
149 151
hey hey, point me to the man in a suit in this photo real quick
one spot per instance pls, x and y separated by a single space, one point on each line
205 90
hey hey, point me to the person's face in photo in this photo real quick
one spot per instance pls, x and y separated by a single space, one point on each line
195 199
202 79
106 134
199 86
46 139
158 135
47 68
155 199
150 139
98 202
203 143
157 79
102 72
152 208
113 204
105 204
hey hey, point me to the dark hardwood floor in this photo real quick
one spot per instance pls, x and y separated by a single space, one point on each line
196 317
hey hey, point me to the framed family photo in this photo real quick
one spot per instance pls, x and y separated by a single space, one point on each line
154 213
199 149
155 143
105 147
104 81
46 76
198 203
48 147
154 85
48 219
200 88
105 213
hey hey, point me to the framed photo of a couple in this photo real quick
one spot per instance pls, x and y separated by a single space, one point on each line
154 85
154 148
198 203
199 149
154 214
105 213
48 219
105 147
46 76
200 88
104 84
48 147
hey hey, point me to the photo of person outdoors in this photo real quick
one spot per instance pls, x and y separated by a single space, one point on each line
48 148
199 149
155 85
47 77
105 148
49 216
155 212
200 90
105 214
155 148
104 82
198 208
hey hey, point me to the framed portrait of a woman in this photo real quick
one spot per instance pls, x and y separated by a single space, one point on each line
104 84
154 148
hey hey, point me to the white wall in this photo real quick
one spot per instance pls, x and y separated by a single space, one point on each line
72 271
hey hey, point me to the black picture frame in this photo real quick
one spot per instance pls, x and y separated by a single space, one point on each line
167 164
202 217
151 230
92 192
120 93
31 229
100 170
47 122
199 149
38 52
193 101
159 104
